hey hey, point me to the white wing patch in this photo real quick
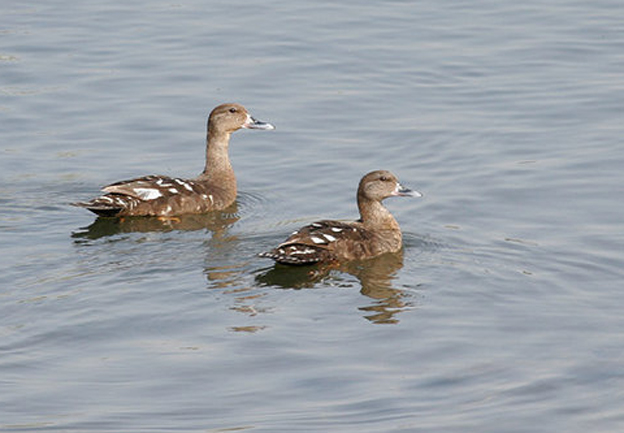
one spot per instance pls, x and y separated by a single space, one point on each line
296 251
184 184
162 182
148 193
317 240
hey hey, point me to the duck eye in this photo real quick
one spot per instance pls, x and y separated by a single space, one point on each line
383 179
232 110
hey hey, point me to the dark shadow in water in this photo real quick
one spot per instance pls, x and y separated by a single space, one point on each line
217 222
375 275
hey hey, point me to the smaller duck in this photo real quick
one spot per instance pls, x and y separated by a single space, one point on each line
375 233
164 196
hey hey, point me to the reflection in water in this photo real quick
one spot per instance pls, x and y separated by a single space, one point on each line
249 329
221 277
217 222
293 277
246 298
375 275
224 269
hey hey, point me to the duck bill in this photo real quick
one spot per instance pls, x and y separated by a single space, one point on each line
401 191
252 123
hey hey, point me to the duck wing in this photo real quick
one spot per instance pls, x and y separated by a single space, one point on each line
127 195
322 241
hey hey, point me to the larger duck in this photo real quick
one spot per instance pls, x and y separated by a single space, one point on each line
327 241
164 196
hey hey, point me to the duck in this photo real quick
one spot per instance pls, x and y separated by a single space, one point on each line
328 241
164 196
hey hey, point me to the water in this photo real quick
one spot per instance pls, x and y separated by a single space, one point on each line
502 314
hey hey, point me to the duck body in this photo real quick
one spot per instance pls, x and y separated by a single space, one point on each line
375 233
334 241
155 195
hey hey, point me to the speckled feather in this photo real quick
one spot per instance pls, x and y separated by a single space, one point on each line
323 241
156 195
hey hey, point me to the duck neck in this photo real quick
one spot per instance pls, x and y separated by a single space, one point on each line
374 215
218 168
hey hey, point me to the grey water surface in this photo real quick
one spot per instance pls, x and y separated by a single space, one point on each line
504 312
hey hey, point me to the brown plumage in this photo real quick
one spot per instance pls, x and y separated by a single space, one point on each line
375 233
213 189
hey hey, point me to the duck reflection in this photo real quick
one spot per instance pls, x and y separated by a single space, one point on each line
217 222
376 277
